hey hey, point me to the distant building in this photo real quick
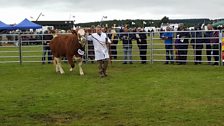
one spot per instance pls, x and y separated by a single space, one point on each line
173 26
64 25
150 29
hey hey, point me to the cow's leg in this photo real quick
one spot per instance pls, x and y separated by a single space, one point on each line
79 60
56 65
70 61
58 60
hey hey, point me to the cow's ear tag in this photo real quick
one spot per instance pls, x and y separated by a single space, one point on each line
80 52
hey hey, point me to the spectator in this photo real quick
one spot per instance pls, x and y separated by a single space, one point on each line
46 48
182 44
142 44
168 41
197 43
114 41
215 45
126 38
208 45
91 53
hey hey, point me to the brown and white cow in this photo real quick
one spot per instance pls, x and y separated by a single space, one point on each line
70 46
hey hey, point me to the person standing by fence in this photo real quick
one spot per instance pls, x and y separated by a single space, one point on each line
215 46
182 44
114 41
168 41
142 44
197 43
126 38
47 37
90 47
208 45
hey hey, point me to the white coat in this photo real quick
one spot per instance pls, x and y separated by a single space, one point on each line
100 47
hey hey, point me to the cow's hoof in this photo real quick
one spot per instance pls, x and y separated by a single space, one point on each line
57 70
62 72
81 74
71 70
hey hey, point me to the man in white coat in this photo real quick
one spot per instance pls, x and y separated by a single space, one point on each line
100 42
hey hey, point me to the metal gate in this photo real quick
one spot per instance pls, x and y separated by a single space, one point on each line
28 48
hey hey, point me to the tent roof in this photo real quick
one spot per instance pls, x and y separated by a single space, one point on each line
26 24
218 23
4 26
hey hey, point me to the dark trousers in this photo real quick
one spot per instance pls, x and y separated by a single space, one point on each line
169 53
209 52
216 53
46 50
143 52
182 54
198 53
114 51
198 56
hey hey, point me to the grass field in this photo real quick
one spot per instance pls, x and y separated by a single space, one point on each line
132 95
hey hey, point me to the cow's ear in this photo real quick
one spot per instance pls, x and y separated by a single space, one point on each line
74 32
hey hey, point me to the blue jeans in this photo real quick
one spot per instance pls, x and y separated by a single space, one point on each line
127 54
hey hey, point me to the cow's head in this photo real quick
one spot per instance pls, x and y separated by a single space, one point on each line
81 37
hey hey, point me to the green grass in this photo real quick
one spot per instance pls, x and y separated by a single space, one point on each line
132 95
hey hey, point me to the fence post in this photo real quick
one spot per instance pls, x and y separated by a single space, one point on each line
220 49
87 52
151 47
20 48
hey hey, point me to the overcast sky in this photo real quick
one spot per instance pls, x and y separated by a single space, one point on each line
13 11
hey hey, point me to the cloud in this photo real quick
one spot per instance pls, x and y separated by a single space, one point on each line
120 9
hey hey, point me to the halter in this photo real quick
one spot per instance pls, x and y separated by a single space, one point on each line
81 37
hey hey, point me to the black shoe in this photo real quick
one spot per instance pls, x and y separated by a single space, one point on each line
124 63
105 74
215 64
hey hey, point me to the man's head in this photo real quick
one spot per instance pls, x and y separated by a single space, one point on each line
210 27
181 26
168 28
139 29
98 29
125 29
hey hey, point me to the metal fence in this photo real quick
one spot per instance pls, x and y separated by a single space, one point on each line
196 48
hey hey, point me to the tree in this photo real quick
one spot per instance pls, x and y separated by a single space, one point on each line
165 20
